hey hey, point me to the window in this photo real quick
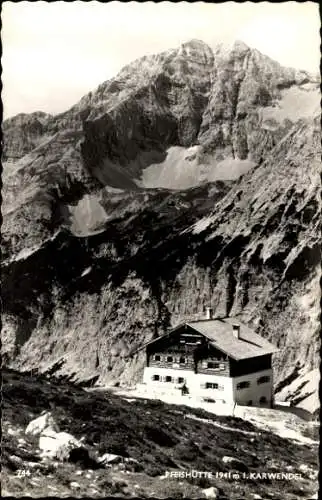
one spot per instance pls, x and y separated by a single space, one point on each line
263 380
213 365
211 385
209 400
157 357
168 378
263 400
214 385
180 380
243 385
169 359
155 377
182 360
190 339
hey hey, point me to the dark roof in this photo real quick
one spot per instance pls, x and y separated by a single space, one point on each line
221 336
220 333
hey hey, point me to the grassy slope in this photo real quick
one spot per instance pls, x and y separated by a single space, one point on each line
157 435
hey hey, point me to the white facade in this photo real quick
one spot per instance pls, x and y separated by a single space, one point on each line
242 390
256 391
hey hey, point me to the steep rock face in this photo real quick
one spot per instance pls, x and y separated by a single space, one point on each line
23 133
159 103
95 263
127 133
244 82
37 186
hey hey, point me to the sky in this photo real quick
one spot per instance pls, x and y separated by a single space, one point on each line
54 53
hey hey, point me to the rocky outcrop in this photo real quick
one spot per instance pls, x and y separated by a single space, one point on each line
23 133
95 263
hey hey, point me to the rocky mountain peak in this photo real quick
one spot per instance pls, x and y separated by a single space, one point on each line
240 46
197 50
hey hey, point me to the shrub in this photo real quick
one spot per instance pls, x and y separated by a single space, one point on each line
118 486
202 482
153 470
187 451
158 436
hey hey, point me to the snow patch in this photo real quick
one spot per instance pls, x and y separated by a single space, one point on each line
88 215
86 271
182 169
296 102
230 169
306 384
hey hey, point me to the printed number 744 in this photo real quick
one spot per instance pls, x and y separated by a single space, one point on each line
23 472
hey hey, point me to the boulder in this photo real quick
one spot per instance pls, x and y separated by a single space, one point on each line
58 444
211 492
131 460
74 484
110 459
235 463
39 424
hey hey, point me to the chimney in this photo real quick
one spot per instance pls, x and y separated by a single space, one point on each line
236 331
209 312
